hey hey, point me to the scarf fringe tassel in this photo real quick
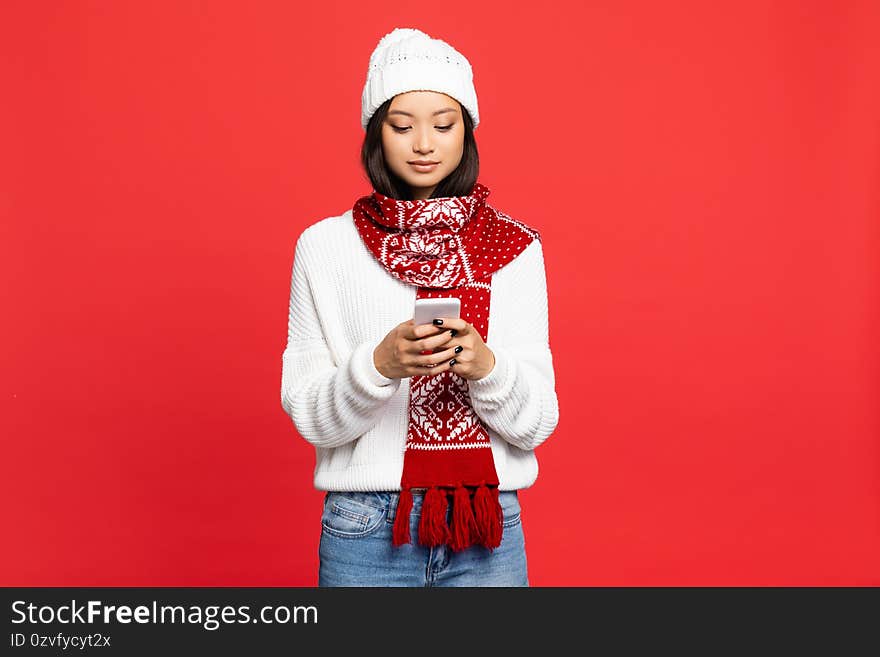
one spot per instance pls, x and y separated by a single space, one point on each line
474 522
464 526
432 524
489 515
400 534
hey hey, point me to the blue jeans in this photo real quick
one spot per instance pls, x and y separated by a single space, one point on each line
356 548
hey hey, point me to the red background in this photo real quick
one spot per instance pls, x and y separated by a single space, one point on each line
705 178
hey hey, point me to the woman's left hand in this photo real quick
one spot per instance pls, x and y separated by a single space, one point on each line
464 353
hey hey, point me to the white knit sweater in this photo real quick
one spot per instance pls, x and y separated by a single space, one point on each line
343 303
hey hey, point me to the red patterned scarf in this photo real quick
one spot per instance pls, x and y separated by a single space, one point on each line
447 247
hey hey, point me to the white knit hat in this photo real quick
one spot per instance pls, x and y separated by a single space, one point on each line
407 59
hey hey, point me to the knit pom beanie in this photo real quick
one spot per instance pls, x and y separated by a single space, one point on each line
407 59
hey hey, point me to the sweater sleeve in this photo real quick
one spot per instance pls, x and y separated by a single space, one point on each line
518 397
330 403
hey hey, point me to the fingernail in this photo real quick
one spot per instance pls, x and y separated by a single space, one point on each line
438 322
458 349
453 332
452 362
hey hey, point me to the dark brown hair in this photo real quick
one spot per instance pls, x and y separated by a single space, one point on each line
458 183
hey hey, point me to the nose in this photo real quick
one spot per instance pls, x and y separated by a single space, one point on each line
423 142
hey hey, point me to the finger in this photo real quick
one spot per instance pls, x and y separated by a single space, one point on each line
419 331
426 345
456 324
439 368
469 337
445 340
461 368
434 359
427 360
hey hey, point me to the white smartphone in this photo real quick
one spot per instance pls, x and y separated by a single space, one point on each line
427 309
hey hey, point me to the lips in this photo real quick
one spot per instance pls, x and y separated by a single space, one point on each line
424 168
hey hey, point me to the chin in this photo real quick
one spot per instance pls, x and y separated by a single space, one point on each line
424 181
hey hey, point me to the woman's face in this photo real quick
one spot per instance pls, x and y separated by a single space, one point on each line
423 126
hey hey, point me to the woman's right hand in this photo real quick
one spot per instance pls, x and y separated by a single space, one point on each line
399 355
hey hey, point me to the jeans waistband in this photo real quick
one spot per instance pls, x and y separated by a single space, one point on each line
389 499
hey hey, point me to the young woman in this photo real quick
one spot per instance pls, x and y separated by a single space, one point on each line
423 432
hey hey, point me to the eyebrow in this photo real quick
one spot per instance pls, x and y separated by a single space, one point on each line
440 111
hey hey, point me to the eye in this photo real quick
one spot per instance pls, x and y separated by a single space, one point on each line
444 128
